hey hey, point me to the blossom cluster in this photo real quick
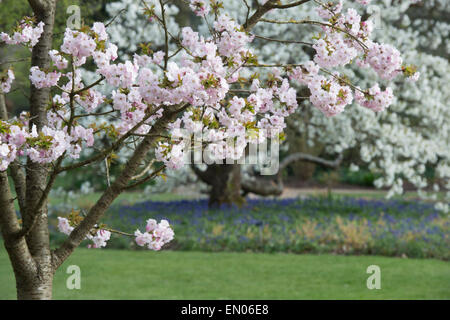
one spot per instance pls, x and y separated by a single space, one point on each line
156 234
375 99
98 236
26 33
333 52
384 59
40 79
16 139
6 81
329 96
58 60
200 7
345 39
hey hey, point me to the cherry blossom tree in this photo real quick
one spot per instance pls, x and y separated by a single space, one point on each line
197 84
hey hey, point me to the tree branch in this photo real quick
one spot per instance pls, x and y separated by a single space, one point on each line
19 254
143 172
146 179
262 10
299 156
283 41
263 187
289 5
119 185
114 147
266 187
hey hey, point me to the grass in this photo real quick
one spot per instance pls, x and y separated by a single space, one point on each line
87 200
126 198
112 274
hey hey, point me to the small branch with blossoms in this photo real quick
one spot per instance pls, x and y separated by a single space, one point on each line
155 236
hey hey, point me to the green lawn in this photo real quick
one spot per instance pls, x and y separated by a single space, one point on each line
111 274
88 200
125 198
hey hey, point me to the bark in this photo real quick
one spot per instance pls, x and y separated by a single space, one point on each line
3 109
225 183
35 288
28 285
24 266
40 285
30 255
262 10
18 176
262 186
301 170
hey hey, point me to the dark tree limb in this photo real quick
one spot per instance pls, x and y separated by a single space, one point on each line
254 18
267 187
289 5
269 5
300 156
202 174
262 187
22 261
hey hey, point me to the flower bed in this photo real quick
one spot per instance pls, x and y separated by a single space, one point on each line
314 225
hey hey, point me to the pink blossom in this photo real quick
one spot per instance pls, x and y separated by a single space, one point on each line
375 99
59 61
155 236
41 79
200 7
329 96
26 35
64 226
5 83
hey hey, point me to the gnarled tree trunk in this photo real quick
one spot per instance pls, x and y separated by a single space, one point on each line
28 246
225 183
36 288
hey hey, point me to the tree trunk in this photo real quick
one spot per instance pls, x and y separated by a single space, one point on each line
224 181
33 273
225 184
38 284
37 288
